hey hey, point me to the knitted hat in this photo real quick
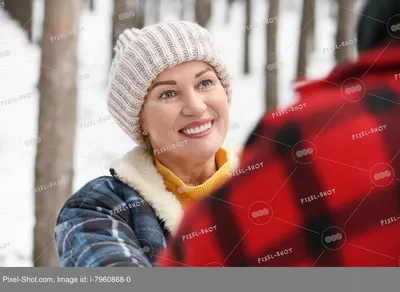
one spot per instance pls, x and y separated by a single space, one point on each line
375 23
142 54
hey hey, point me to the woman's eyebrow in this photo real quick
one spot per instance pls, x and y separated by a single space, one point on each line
166 82
173 82
202 72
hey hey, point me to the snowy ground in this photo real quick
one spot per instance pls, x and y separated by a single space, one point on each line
98 145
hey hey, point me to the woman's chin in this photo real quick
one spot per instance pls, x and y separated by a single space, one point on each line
205 150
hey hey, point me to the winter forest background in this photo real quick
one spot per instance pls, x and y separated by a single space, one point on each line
55 131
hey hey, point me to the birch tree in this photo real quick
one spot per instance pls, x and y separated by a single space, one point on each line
22 11
203 12
127 14
246 59
344 32
57 118
306 33
272 65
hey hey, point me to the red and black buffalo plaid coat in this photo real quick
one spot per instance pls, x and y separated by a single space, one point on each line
319 182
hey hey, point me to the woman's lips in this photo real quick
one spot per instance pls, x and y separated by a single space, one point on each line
199 135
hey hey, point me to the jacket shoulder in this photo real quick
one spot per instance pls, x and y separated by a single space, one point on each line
104 191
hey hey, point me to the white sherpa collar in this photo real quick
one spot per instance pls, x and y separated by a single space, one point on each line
136 169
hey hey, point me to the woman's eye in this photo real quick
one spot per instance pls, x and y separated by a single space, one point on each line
167 94
205 84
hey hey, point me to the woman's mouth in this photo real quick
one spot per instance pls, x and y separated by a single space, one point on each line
199 131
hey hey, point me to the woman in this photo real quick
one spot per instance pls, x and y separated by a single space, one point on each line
170 92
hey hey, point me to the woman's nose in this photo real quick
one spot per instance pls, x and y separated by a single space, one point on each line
194 105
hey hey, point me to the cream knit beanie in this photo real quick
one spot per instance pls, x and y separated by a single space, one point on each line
142 54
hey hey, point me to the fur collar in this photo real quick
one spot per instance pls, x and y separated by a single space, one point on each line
136 170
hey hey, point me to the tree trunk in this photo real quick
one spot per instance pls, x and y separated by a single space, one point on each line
182 9
91 3
311 35
127 14
21 10
141 20
57 119
344 30
272 65
158 10
203 12
228 11
246 59
305 35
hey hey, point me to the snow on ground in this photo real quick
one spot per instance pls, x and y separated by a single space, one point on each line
98 145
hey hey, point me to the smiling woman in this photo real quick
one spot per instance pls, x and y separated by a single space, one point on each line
169 89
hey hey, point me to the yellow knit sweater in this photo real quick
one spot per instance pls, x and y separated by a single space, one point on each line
187 193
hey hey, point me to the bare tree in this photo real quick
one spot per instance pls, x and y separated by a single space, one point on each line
158 10
246 59
182 9
91 5
141 17
127 14
272 65
228 10
21 10
311 35
306 30
203 12
57 119
344 29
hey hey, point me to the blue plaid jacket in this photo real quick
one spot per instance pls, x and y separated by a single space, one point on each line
107 223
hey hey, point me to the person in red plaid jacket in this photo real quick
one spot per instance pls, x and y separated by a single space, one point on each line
319 182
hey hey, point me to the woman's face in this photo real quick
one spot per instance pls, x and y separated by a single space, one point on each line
186 106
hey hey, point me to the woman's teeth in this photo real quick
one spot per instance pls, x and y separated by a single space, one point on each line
197 130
